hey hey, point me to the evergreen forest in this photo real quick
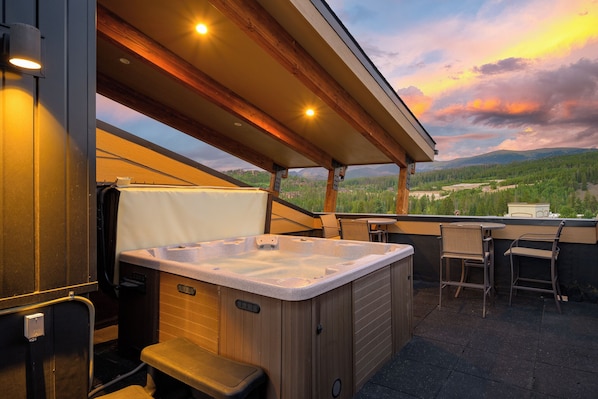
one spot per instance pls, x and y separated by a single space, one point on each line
568 183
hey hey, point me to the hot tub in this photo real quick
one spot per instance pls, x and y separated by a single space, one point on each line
319 316
282 267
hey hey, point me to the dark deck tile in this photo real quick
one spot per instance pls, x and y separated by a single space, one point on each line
505 342
563 382
573 328
375 391
411 377
568 354
496 367
464 386
437 353
515 318
448 326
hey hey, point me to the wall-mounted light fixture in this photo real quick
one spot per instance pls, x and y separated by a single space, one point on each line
25 46
21 47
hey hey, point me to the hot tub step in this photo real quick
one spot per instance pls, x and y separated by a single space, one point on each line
202 370
130 392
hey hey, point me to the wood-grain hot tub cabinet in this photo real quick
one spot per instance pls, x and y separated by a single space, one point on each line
317 331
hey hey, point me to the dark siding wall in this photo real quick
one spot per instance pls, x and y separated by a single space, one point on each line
48 156
47 210
17 101
54 366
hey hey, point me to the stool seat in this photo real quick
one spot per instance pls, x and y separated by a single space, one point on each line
203 370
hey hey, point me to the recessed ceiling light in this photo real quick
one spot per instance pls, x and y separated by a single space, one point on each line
202 29
124 60
310 112
238 124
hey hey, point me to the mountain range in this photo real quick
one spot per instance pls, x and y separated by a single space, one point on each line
491 158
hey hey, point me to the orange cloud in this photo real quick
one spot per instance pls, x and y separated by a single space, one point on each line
418 106
521 108
417 102
479 104
489 106
499 106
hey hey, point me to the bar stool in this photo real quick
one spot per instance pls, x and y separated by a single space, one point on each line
530 246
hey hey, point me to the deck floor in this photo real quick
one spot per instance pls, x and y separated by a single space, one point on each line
527 350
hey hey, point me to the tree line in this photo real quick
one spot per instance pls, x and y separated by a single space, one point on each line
566 182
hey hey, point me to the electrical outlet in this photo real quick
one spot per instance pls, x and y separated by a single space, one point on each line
34 326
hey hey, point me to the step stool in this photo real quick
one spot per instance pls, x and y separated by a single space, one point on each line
130 392
207 372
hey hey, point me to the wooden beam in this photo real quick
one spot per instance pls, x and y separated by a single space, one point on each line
113 29
134 100
270 35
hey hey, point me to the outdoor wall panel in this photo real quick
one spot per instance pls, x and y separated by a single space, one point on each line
17 202
81 119
17 102
52 139
47 167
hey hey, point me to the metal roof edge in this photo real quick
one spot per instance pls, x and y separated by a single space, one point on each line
344 34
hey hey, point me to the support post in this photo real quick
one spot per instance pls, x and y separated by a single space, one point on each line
335 176
276 179
403 188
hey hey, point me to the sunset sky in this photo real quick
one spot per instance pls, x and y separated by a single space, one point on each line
485 75
480 75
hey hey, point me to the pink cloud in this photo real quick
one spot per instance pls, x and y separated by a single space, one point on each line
463 145
551 137
563 96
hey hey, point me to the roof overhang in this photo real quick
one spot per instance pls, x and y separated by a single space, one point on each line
244 86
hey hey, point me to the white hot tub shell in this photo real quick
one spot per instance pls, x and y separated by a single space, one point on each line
278 266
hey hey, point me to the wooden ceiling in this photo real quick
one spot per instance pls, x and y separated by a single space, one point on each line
245 85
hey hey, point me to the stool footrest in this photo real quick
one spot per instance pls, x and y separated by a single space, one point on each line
203 370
